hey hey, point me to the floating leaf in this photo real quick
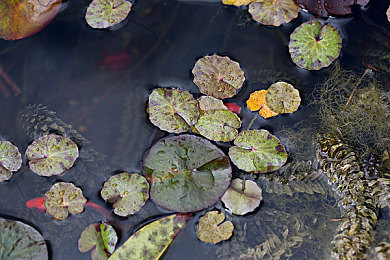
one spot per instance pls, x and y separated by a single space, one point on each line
99 237
151 241
10 160
51 155
63 198
5 174
218 76
210 229
333 7
271 12
23 18
282 97
128 191
237 2
107 13
257 101
314 47
21 241
207 103
388 13
218 125
172 110
258 151
187 173
241 199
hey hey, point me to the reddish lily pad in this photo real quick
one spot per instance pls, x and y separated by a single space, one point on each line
282 97
207 103
64 198
128 192
271 12
172 110
107 13
218 76
187 173
258 151
332 7
101 238
210 229
10 160
242 198
313 46
23 18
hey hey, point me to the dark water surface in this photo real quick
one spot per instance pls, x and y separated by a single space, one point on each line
65 67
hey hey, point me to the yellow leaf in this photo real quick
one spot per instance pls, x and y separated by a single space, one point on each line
257 101
237 2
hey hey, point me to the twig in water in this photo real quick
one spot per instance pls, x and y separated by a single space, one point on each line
356 85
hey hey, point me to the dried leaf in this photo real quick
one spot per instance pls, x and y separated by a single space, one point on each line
210 229
107 13
257 101
271 12
282 97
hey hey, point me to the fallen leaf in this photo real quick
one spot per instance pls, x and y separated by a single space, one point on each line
107 13
271 12
210 229
282 97
257 101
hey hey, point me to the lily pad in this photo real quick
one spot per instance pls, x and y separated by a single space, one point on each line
151 241
5 174
210 229
128 191
237 2
187 173
10 160
21 241
241 199
51 155
107 13
258 151
172 110
218 125
332 7
64 198
101 238
271 12
388 13
257 101
23 18
218 76
313 46
282 97
207 103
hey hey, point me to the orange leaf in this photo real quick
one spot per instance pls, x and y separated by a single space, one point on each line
257 101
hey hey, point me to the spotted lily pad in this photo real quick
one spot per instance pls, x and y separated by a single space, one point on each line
10 160
218 76
21 241
107 13
51 155
313 46
258 151
207 103
282 97
187 173
151 241
128 192
64 198
237 2
210 229
101 238
257 101
242 198
332 7
172 110
271 12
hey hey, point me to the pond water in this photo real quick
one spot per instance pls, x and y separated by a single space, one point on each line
71 69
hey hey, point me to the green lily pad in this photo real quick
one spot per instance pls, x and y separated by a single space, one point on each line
64 198
107 13
218 125
207 103
101 238
218 76
258 151
172 110
51 155
210 229
151 241
282 97
187 173
21 241
313 46
128 192
10 160
271 12
241 199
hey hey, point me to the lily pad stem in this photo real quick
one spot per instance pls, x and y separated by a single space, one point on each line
251 122
354 89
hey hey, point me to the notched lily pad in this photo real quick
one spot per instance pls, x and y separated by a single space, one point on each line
218 125
257 101
51 155
313 46
107 13
218 76
21 241
271 12
128 192
187 173
64 198
172 110
101 238
207 103
242 198
10 160
210 229
282 97
258 151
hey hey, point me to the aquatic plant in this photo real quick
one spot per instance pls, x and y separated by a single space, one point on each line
210 228
330 7
282 97
237 2
207 103
107 13
270 12
10 160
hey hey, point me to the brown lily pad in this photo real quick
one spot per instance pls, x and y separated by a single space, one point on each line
210 229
